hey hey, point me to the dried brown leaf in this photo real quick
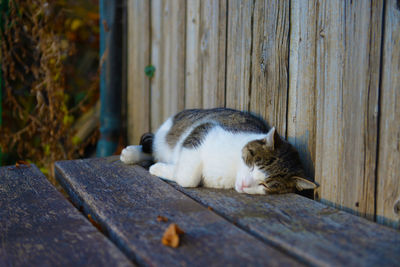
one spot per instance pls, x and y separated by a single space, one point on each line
172 235
22 164
162 218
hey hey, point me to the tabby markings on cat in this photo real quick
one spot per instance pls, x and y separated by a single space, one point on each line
221 148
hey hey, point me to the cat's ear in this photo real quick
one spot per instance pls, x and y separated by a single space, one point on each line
303 184
273 139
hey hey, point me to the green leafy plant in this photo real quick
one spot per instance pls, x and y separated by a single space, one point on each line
49 62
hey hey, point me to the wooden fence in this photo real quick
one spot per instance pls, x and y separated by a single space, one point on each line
325 73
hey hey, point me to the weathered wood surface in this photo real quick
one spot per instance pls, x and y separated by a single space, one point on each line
388 184
126 200
340 86
238 62
270 61
138 91
168 57
320 235
348 56
39 227
205 53
301 124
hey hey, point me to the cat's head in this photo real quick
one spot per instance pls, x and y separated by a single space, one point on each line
275 165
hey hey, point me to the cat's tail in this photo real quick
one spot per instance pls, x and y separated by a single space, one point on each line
146 141
140 153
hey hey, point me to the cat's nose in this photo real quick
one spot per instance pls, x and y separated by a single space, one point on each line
240 185
248 181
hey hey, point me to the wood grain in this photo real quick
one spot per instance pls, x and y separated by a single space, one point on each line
269 63
322 94
317 234
388 184
138 94
39 227
348 53
168 57
214 52
239 46
205 54
126 200
301 123
193 85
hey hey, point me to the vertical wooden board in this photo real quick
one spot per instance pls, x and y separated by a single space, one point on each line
138 58
213 50
270 54
193 84
156 103
329 75
302 81
388 183
168 57
239 54
348 52
205 54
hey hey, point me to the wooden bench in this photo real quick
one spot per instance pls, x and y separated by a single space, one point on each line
221 227
39 227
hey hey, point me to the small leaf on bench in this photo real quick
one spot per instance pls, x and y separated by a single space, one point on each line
162 218
172 235
19 163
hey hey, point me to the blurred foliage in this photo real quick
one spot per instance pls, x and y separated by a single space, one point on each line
49 62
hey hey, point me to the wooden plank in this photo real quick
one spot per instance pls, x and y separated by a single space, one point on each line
269 67
39 227
168 57
348 55
239 45
302 81
156 97
205 54
307 229
388 184
193 90
214 52
126 201
138 94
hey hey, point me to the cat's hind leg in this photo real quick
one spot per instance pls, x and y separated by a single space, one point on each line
163 170
188 171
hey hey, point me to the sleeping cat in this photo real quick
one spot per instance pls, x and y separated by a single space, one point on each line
221 148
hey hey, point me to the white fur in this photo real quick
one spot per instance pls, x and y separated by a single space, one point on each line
134 154
216 163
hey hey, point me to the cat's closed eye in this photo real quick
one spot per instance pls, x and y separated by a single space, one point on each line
271 186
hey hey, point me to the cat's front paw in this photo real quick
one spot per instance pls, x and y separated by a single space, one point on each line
131 154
